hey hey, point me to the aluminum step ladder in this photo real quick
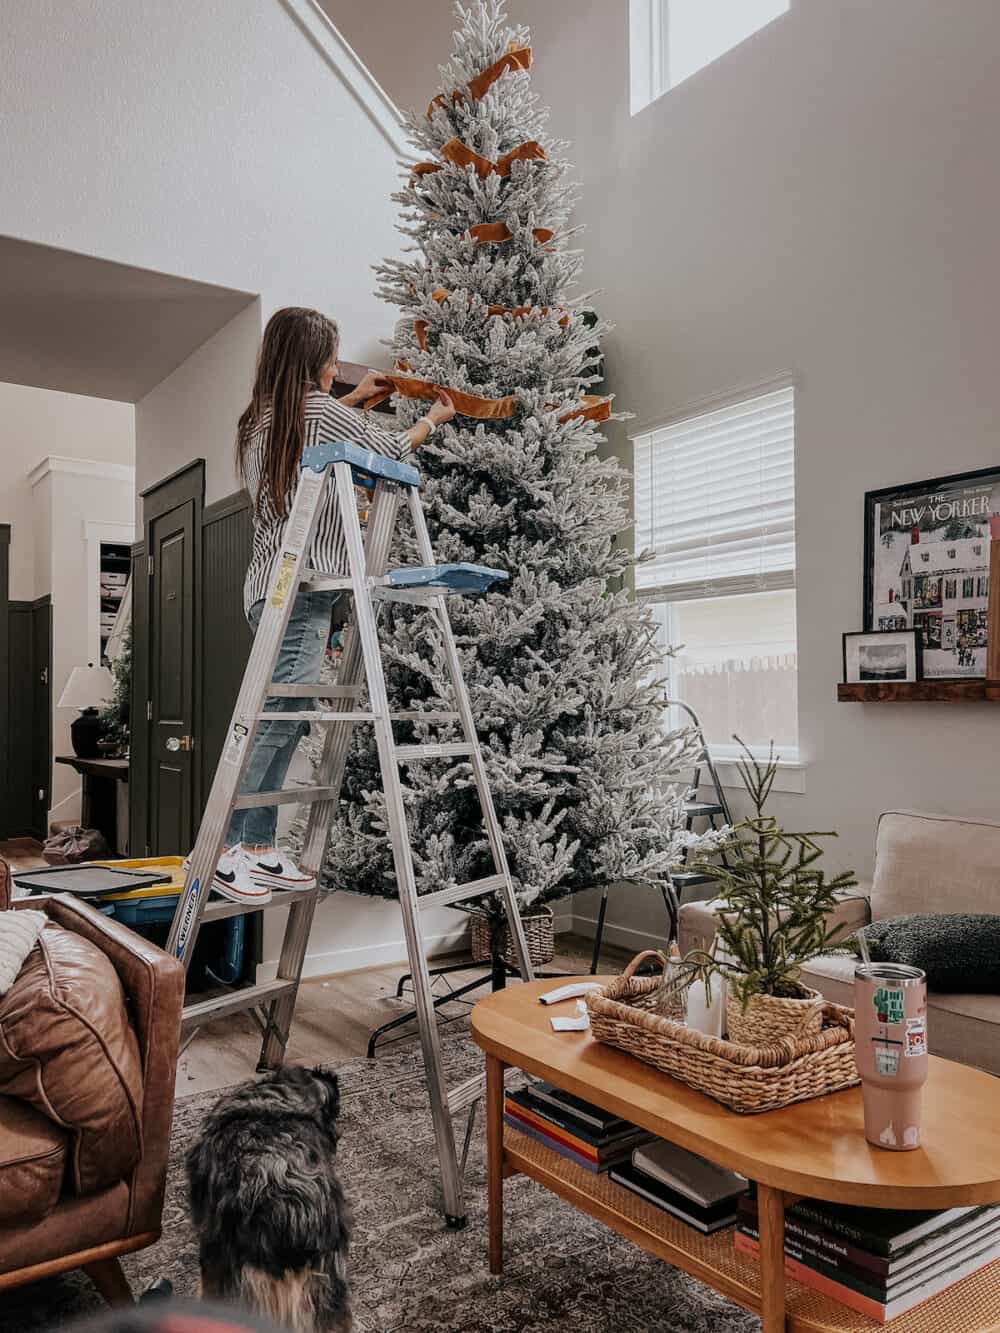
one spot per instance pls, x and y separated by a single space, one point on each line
272 1003
694 808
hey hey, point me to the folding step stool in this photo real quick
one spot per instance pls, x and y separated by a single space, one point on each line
272 1003
679 880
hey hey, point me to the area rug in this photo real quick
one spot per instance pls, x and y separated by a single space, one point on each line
409 1274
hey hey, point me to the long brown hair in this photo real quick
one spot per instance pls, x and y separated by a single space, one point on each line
297 344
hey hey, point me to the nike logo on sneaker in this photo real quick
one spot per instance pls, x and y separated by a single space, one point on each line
227 876
270 870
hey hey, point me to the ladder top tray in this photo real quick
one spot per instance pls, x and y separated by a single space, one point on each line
450 578
367 466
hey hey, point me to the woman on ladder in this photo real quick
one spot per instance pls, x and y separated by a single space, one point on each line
292 407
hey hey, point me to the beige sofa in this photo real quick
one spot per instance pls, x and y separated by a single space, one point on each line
923 863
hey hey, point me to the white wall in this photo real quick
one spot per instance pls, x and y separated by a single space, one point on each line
821 200
33 424
236 144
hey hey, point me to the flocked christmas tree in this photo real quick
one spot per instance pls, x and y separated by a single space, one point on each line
562 670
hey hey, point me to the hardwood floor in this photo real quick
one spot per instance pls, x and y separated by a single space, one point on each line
22 854
334 1017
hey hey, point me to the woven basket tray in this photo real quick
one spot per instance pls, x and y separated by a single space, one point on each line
748 1079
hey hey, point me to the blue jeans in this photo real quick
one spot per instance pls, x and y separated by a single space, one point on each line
299 660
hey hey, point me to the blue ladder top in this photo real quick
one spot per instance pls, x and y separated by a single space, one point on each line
461 578
367 466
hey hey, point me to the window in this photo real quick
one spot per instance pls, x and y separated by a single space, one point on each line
669 40
715 512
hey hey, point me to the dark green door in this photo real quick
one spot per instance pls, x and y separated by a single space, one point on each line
171 680
41 732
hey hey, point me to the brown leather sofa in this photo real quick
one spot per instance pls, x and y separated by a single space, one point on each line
88 1049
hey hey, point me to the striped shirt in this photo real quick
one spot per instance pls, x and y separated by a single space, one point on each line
327 422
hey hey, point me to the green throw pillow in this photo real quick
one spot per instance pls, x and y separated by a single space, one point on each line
959 951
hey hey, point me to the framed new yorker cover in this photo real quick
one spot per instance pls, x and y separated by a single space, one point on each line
927 563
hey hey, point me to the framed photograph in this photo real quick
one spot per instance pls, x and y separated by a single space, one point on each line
927 567
878 657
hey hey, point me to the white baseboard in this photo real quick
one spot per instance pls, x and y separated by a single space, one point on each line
392 953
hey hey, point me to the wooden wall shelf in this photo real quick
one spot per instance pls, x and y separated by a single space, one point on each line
919 691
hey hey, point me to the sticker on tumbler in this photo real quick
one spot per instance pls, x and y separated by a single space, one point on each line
886 1060
234 746
916 1036
888 1002
283 583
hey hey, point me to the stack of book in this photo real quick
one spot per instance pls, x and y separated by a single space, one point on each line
575 1129
699 1192
880 1262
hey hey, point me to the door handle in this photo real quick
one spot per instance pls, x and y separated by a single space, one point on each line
175 743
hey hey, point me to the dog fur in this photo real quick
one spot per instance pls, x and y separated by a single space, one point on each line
272 1222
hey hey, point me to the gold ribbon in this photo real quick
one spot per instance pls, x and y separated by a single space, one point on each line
518 57
591 407
460 155
496 233
466 404
441 294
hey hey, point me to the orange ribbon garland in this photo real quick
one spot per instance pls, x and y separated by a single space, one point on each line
466 404
460 155
441 294
496 233
592 408
518 57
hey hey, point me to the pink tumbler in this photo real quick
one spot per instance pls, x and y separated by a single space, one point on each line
890 1033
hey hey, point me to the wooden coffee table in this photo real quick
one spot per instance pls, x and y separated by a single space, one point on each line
815 1148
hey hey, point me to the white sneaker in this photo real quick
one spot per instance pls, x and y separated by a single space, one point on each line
233 879
273 869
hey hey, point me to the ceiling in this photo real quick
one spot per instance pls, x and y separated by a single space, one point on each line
89 326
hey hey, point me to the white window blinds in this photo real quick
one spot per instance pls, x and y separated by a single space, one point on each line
715 501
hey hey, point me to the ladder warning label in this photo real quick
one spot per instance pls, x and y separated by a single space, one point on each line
187 916
234 746
283 583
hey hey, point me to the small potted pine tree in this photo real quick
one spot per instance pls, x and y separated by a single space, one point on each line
775 909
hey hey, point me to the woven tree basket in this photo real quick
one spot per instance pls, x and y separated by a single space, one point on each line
748 1079
539 932
768 1018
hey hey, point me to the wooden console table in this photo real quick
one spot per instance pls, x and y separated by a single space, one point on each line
105 797
816 1149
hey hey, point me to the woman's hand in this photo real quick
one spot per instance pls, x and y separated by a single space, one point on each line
372 384
442 410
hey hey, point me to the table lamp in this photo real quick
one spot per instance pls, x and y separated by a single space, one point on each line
88 688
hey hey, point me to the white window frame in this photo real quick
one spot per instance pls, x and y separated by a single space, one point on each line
791 764
649 52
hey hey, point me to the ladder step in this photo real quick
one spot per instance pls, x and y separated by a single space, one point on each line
315 717
458 893
414 715
409 754
464 1094
289 796
694 809
193 1015
317 581
220 908
320 690
685 879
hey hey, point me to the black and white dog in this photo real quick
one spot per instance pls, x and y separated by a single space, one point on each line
272 1222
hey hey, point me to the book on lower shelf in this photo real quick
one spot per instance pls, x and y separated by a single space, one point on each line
570 1134
698 1192
880 1262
